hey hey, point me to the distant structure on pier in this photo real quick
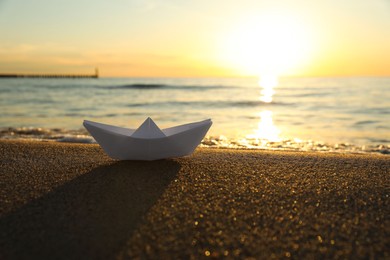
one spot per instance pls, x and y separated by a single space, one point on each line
74 76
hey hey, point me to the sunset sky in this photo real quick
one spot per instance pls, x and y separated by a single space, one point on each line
196 38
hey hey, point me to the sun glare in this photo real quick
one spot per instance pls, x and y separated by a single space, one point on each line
267 84
266 130
272 44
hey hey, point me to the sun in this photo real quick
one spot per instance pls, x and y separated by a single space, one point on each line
267 44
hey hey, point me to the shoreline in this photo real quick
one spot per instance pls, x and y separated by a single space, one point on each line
83 137
70 201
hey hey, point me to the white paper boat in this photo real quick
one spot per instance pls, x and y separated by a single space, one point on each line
148 142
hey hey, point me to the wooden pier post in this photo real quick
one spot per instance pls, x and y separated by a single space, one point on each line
19 75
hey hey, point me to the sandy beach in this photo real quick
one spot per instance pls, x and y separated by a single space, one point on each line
71 201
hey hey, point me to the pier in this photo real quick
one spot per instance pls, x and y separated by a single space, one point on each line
27 75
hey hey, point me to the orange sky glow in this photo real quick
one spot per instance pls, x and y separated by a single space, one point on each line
196 38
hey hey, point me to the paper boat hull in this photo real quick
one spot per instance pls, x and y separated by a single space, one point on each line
180 141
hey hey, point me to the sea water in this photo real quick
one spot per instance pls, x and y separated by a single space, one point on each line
347 114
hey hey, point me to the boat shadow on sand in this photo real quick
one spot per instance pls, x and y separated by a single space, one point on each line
90 217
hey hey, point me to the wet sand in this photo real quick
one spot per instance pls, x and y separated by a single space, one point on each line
70 201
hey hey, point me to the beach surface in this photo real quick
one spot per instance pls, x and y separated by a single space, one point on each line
71 201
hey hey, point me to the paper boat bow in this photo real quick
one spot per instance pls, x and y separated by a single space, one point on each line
148 142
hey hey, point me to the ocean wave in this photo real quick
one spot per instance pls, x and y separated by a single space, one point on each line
145 86
366 122
318 94
260 103
208 104
138 86
46 134
292 145
82 136
375 111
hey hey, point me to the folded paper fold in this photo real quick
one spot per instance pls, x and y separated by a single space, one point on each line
148 129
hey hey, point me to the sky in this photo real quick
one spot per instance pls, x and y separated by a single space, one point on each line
161 38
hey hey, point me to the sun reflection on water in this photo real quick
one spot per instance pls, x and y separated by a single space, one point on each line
267 83
266 131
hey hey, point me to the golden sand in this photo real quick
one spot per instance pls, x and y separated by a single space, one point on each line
71 201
